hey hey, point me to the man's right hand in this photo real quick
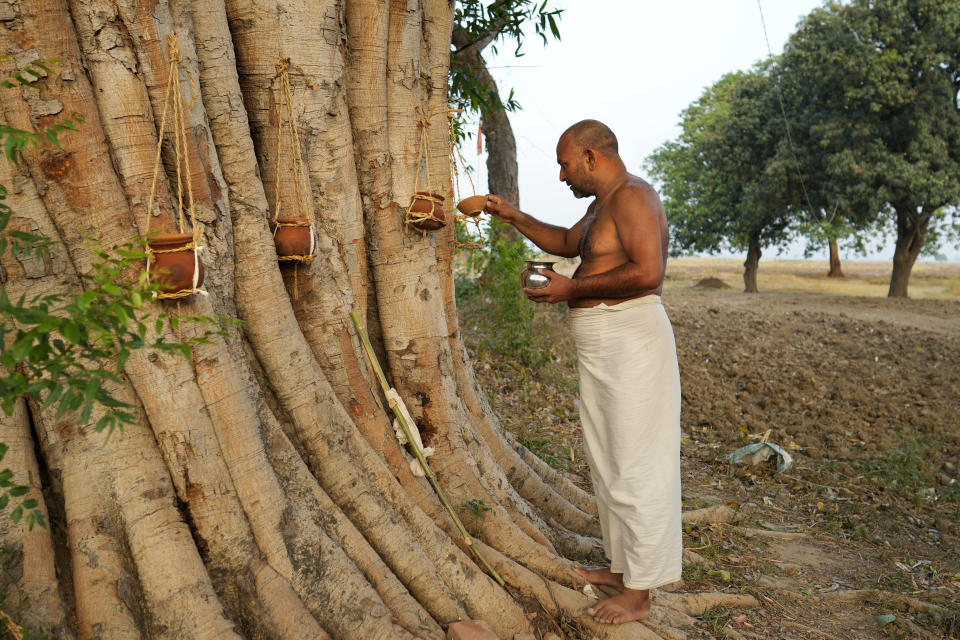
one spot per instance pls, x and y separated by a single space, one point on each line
501 209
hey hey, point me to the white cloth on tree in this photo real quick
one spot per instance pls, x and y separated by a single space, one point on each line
630 410
395 401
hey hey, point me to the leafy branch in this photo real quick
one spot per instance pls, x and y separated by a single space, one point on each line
68 352
56 348
16 141
478 25
38 69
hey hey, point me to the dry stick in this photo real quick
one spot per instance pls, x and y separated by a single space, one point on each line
9 625
418 453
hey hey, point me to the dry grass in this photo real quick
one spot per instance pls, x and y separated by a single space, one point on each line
862 278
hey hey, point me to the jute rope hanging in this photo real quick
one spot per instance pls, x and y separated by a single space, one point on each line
425 212
173 96
287 132
455 154
287 232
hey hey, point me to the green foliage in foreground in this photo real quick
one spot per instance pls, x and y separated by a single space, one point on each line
505 314
68 352
909 471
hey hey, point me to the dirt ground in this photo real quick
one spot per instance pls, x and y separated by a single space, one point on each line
861 537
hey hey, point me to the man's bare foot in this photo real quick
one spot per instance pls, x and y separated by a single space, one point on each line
601 575
632 604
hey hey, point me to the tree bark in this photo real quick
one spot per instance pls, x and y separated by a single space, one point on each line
751 264
911 228
264 494
835 270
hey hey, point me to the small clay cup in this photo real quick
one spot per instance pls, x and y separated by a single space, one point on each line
292 240
173 262
422 205
472 206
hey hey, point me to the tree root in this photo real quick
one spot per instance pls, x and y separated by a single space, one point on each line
892 600
712 515
694 604
772 533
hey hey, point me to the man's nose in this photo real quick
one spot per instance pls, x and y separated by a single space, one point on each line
563 178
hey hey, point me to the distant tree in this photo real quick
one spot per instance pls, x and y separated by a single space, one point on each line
873 89
719 186
823 163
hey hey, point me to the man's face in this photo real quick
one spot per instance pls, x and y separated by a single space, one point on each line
573 168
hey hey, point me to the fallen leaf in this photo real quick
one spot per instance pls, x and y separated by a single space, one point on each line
885 619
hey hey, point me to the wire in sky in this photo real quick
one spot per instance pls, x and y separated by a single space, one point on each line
783 112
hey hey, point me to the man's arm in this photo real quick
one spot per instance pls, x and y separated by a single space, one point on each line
555 240
637 219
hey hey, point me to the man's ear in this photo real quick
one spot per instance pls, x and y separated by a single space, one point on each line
591 158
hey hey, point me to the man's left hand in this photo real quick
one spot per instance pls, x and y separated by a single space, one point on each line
560 289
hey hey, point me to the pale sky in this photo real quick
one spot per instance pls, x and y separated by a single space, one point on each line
635 65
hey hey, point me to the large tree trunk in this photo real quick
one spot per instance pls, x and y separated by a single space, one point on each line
911 228
264 494
835 270
751 264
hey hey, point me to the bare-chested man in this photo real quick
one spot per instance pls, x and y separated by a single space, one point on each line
629 380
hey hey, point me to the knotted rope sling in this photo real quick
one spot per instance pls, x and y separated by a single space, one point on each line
455 153
416 219
174 96
287 131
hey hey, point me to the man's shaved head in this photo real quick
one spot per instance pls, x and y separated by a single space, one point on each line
593 134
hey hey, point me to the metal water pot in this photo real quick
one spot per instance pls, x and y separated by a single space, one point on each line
531 278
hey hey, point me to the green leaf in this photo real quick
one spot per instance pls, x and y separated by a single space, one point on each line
71 331
19 490
104 421
3 450
83 302
553 26
52 396
21 347
65 402
30 503
16 514
4 499
885 619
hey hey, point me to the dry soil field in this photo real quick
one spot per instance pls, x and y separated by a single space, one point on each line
861 538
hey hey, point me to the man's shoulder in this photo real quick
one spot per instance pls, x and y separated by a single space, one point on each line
636 195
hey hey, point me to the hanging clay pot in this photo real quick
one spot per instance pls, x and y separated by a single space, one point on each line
293 238
472 206
423 205
174 263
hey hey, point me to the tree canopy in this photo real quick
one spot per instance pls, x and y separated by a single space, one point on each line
719 185
869 91
872 89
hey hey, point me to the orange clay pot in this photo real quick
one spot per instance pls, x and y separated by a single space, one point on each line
173 271
292 241
472 206
421 205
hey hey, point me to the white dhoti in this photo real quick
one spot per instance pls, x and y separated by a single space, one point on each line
630 410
